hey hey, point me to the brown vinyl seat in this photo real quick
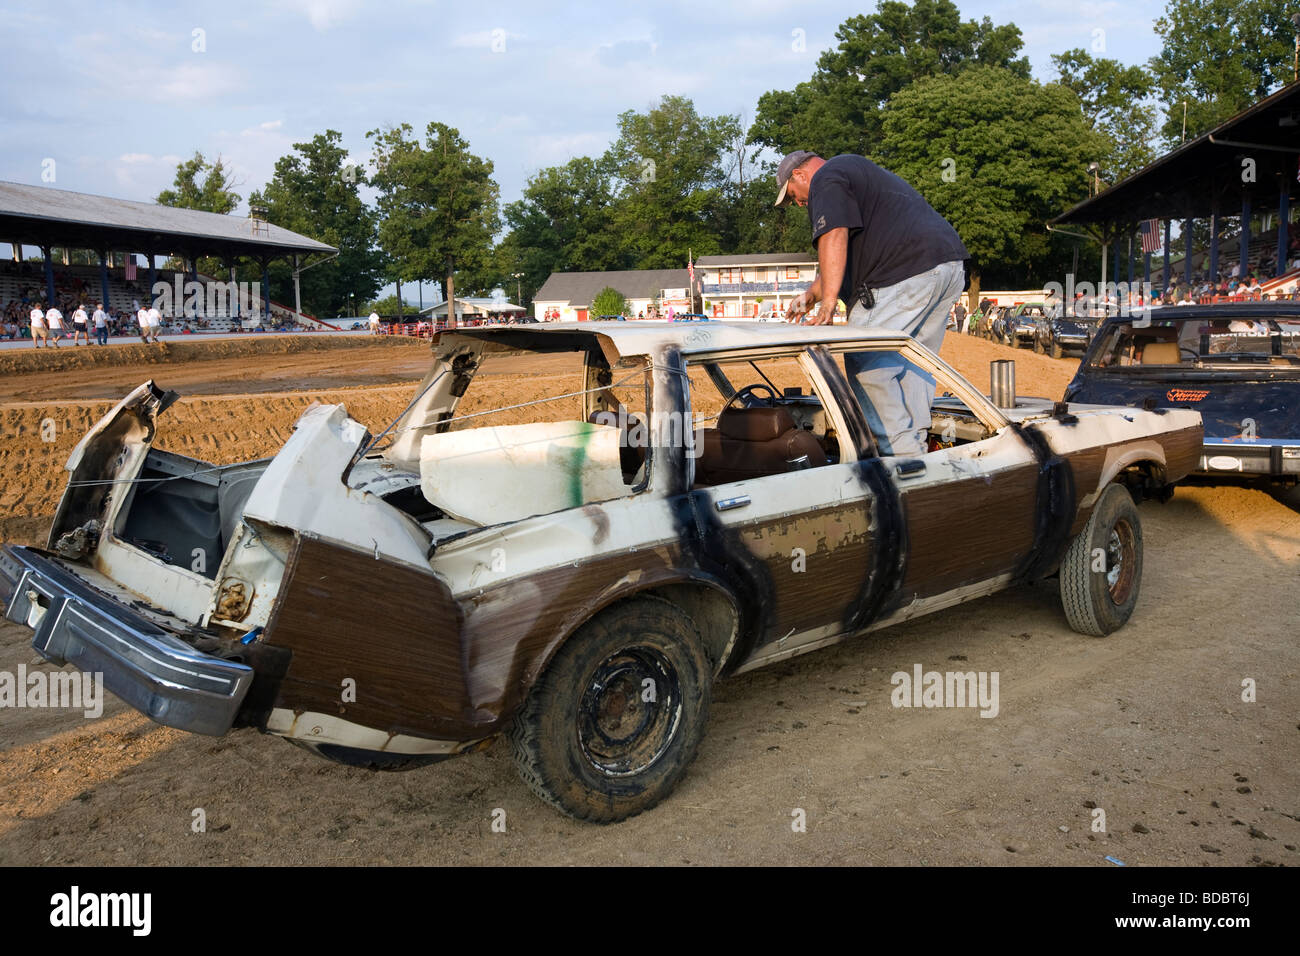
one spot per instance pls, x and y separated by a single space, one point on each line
1161 353
754 442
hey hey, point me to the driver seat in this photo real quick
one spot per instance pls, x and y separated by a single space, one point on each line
753 443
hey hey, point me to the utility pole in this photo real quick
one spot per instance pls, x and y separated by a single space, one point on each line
1295 65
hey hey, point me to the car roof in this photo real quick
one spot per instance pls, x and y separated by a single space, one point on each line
644 337
1221 310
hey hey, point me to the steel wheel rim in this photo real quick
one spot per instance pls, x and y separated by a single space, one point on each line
1121 561
620 732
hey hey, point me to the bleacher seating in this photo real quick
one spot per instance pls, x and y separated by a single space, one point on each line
84 281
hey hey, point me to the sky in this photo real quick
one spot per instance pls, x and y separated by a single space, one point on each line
107 98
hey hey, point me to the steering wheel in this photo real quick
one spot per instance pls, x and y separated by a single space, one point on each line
746 395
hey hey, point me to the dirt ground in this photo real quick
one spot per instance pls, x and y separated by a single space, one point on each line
1147 725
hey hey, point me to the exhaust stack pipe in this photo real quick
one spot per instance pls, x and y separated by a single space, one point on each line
1002 383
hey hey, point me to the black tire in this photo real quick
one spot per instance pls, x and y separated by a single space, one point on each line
1038 346
1057 351
1101 574
568 739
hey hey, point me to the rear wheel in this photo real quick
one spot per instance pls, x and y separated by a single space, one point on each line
1038 346
1057 351
1101 574
611 726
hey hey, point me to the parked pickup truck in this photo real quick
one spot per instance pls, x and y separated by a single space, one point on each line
574 571
1238 364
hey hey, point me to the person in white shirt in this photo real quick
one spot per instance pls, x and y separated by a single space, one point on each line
374 323
100 320
40 334
80 326
54 319
155 322
142 319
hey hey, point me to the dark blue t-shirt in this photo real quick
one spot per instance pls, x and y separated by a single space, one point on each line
894 233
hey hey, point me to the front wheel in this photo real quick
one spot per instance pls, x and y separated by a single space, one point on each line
1101 573
1057 351
611 726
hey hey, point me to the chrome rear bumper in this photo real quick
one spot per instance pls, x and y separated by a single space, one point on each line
145 665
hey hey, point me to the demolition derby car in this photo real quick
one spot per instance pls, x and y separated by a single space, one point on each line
1238 364
571 568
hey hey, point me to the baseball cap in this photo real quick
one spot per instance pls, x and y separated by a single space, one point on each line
789 164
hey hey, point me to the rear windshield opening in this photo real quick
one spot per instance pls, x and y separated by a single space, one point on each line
1201 342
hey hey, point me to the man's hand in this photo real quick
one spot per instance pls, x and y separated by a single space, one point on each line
799 306
825 316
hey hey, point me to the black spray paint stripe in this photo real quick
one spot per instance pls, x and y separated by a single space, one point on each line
709 545
879 592
1055 507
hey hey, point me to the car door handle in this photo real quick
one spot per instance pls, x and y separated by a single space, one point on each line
727 504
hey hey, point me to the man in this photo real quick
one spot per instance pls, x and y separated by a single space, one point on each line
80 326
54 319
374 323
40 335
142 319
896 263
155 322
100 319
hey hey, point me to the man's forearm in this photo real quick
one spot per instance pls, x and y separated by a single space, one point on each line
832 257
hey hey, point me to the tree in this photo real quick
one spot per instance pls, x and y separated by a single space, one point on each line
560 224
438 203
1219 57
315 192
838 110
1112 97
216 192
609 301
747 222
997 155
385 306
668 168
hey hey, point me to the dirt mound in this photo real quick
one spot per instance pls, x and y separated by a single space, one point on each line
40 436
187 349
1039 376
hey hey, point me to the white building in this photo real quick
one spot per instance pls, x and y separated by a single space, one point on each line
748 286
566 296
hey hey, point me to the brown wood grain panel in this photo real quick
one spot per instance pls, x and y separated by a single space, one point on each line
964 532
389 627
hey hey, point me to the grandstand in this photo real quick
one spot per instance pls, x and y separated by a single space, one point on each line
117 230
1246 165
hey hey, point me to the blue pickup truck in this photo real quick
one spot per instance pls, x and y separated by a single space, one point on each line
1237 364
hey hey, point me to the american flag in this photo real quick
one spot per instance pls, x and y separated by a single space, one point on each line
690 270
1149 230
129 269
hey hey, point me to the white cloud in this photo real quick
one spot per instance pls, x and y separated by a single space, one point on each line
324 14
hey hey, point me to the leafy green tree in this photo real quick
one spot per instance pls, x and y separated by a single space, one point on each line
747 222
1219 57
609 301
199 184
438 205
560 224
838 110
669 169
315 192
1114 100
387 306
997 155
